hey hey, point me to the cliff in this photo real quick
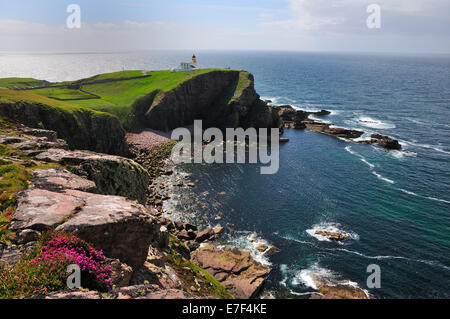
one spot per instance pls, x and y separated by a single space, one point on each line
92 113
80 127
221 98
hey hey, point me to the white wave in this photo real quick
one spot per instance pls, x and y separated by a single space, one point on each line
335 112
428 262
428 197
439 200
303 293
370 257
292 238
329 227
417 121
317 118
306 277
350 150
363 159
374 123
437 148
408 192
279 100
381 177
367 163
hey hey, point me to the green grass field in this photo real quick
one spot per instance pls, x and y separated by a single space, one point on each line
21 83
117 97
12 96
63 93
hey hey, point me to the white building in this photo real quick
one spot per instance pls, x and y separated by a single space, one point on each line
187 66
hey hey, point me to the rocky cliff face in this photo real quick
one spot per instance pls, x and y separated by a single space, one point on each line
81 129
221 99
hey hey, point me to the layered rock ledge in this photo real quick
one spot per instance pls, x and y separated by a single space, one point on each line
299 119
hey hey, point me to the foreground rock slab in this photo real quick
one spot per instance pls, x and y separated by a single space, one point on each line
132 292
59 179
113 175
232 267
121 228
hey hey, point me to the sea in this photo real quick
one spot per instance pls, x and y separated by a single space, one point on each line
395 205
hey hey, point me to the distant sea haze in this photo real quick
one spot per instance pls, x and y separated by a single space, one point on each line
395 205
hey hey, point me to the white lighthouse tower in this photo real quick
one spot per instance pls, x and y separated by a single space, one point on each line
187 66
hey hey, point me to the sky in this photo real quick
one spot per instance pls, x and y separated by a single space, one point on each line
413 26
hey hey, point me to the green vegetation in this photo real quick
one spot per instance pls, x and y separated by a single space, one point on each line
243 83
159 155
13 179
64 93
117 96
12 96
21 83
111 76
192 274
44 269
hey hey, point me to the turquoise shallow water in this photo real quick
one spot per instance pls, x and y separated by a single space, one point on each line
395 205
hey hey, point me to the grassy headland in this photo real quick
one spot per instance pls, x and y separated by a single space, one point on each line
116 95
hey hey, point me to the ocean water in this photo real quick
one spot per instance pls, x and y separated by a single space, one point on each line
395 205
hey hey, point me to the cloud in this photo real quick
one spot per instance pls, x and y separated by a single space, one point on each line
349 16
146 25
17 27
103 25
265 15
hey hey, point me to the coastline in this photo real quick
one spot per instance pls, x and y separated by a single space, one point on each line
160 195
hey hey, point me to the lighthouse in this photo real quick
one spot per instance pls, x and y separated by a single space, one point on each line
187 66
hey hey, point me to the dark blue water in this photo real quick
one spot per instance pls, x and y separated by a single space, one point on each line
395 205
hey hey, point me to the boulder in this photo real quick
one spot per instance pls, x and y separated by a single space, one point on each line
326 128
113 175
185 235
51 136
57 179
218 230
331 289
205 235
162 240
147 291
156 272
120 273
386 142
31 146
10 255
271 251
27 235
262 248
121 228
336 236
232 267
322 113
